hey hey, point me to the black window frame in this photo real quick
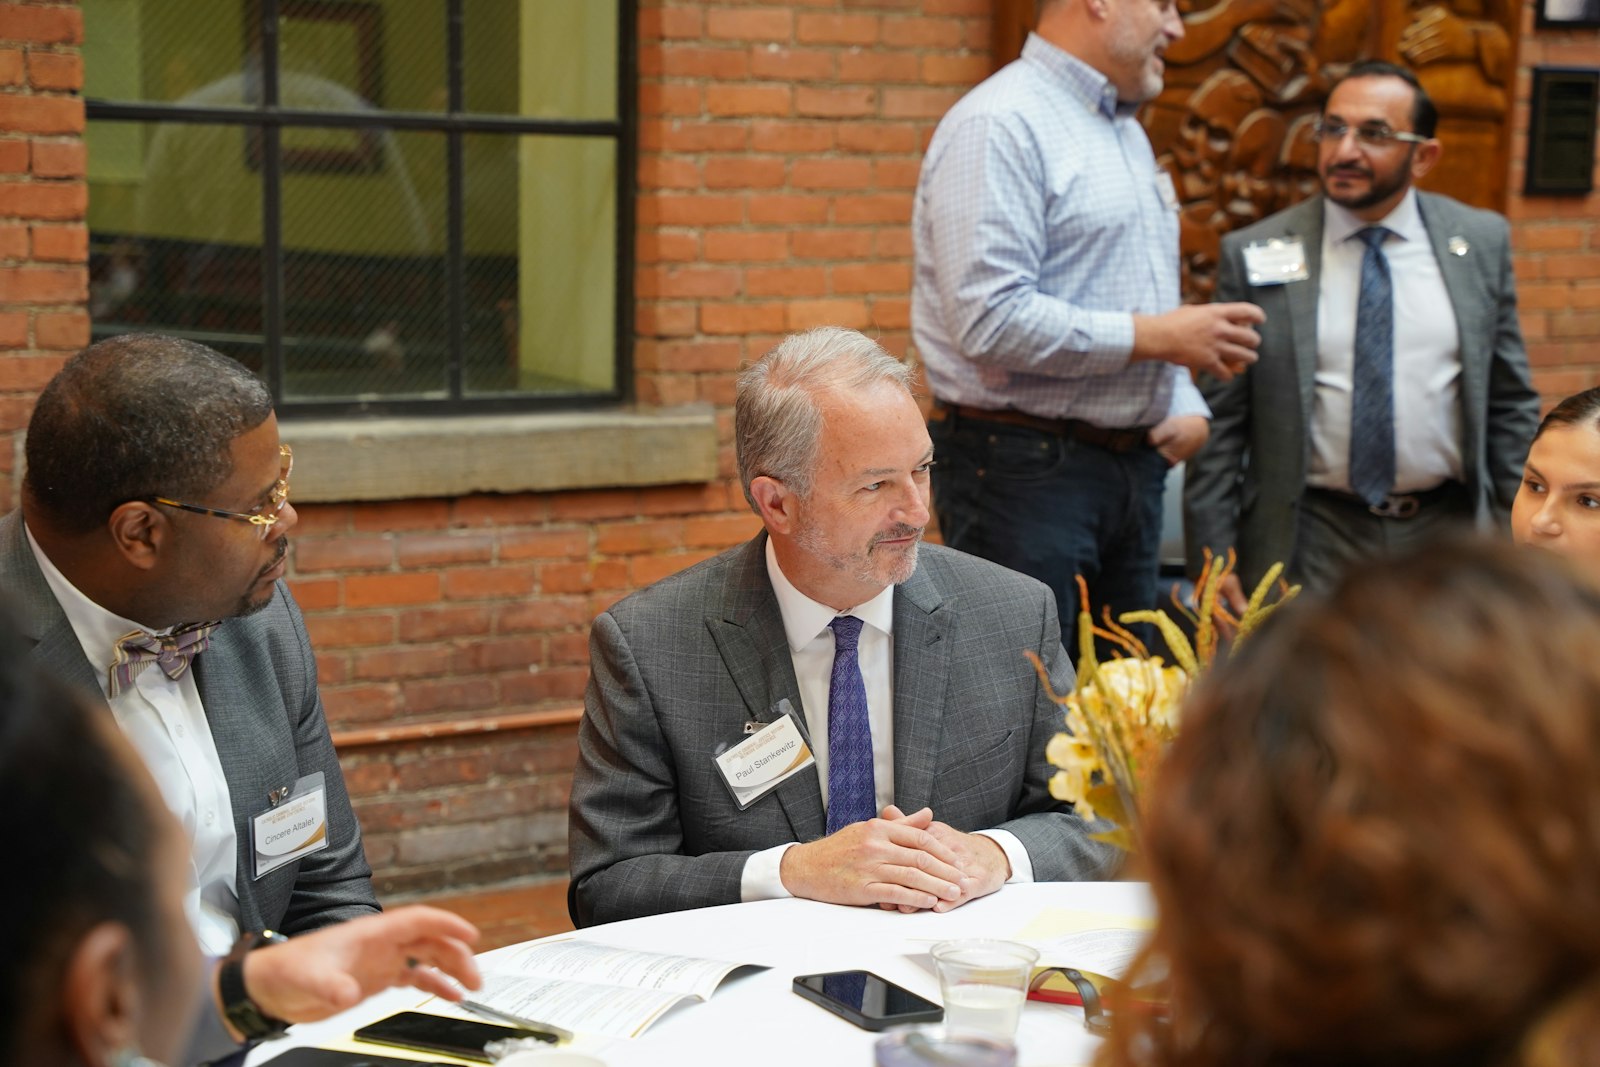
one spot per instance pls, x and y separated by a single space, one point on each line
267 121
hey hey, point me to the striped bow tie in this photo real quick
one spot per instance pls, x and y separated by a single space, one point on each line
137 650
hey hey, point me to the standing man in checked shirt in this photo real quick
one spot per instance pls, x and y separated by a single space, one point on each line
1046 311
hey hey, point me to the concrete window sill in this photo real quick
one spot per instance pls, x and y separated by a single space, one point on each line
339 460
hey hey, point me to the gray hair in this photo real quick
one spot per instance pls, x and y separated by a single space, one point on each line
777 420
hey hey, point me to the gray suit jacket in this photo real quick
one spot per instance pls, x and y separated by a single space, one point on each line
679 668
258 683
1243 489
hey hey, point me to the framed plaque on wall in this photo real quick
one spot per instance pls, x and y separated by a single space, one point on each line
1561 130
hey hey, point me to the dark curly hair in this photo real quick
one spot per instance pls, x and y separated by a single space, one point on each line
1376 839
133 417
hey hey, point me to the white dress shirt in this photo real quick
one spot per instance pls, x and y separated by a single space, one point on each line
806 626
166 724
1427 353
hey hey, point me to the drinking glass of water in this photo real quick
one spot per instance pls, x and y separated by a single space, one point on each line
984 983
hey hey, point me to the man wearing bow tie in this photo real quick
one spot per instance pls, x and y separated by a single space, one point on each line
1392 397
146 565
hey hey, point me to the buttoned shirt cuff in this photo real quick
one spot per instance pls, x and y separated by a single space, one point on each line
761 879
1021 865
1107 338
1186 396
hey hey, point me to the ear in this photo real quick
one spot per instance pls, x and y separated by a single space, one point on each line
778 506
139 531
100 994
1425 158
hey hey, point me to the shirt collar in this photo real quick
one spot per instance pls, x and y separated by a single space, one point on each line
1076 76
1405 221
97 629
804 619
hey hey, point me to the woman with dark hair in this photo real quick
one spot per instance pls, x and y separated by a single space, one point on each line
1558 503
100 961
1376 839
101 968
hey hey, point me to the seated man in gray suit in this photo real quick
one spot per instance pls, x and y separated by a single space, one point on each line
759 725
146 567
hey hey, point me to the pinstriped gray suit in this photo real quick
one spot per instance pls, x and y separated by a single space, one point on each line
679 668
1243 489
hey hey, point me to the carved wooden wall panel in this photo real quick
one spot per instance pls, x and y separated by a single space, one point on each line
1246 81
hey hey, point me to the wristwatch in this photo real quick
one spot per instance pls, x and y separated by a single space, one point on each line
240 1010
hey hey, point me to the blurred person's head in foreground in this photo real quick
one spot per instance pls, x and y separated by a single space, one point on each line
1376 839
1558 504
100 964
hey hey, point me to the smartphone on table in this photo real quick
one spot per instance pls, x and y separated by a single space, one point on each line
422 1032
863 998
321 1057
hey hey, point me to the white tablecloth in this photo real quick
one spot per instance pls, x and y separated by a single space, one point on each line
754 1020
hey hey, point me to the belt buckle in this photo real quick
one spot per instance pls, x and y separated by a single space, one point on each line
1396 506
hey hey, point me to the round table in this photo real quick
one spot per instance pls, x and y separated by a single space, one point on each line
754 1018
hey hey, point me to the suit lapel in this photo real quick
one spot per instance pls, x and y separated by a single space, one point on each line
922 626
1461 281
749 635
1303 299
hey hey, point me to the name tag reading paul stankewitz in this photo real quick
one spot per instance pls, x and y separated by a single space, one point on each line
293 827
1274 262
758 764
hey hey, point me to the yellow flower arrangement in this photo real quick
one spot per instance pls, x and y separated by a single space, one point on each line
1122 713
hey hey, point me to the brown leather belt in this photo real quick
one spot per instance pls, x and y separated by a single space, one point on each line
1112 440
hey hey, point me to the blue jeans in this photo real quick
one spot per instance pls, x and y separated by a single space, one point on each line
1053 508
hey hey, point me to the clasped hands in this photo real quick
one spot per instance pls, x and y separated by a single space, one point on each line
898 862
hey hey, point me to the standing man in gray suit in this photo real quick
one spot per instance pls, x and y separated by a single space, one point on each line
759 725
1392 397
146 568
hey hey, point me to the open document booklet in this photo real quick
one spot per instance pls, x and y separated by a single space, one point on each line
1098 946
597 989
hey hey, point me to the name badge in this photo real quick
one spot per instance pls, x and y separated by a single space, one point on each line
761 762
296 825
1274 262
1166 190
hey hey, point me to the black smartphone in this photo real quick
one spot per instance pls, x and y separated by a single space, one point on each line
322 1057
441 1033
863 998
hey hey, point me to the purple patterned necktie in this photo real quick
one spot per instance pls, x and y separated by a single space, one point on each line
1372 385
852 795
139 649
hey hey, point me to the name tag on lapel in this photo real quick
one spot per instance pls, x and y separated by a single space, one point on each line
295 825
1275 262
764 760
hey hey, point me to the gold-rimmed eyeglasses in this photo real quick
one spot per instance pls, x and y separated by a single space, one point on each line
262 518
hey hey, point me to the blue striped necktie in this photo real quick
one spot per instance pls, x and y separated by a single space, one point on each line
852 795
1372 388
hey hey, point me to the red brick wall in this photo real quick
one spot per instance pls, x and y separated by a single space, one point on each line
450 612
778 148
1556 238
43 242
